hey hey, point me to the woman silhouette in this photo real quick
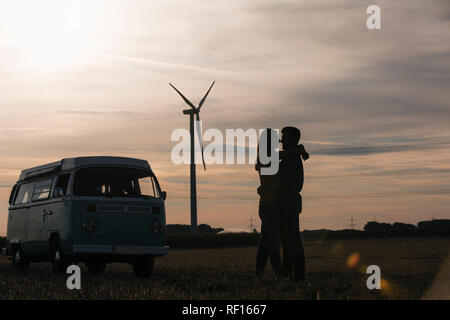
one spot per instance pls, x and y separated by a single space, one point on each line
269 212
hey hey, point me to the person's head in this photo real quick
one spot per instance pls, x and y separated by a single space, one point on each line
290 136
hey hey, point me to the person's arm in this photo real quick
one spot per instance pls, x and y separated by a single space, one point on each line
300 149
301 178
291 174
303 152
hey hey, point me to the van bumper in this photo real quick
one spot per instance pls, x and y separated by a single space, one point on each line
116 249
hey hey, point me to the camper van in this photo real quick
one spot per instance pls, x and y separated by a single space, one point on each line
94 210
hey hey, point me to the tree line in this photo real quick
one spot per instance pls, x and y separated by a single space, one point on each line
179 236
432 227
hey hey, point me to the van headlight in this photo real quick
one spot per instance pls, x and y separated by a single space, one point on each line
90 226
155 226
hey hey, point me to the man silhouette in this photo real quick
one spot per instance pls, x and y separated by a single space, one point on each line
291 183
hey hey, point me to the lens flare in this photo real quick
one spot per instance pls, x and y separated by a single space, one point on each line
353 260
385 285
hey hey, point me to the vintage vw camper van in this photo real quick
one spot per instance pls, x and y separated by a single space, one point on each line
94 210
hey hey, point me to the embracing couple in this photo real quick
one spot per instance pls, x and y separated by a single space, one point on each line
279 208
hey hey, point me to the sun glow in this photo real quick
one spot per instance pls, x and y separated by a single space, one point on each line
51 35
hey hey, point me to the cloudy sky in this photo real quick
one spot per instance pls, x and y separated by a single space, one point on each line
91 78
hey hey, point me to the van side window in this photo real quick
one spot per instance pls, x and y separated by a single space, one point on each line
63 182
13 194
148 187
24 193
42 190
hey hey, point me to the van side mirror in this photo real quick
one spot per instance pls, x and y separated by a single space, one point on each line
58 193
163 195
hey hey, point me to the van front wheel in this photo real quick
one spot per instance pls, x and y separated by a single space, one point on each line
143 266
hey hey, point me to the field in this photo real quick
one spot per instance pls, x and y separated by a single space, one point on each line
410 269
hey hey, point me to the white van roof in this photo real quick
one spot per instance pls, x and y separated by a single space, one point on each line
72 163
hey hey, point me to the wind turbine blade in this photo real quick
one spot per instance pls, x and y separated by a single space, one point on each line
204 98
199 135
184 98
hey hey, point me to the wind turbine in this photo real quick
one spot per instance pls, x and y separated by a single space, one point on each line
191 112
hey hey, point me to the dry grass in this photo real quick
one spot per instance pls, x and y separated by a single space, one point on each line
408 268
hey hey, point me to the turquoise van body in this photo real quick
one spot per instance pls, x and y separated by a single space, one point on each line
94 210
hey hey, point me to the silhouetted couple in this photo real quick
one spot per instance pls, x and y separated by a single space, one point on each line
279 208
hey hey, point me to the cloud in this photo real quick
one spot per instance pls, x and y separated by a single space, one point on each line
414 144
372 105
165 66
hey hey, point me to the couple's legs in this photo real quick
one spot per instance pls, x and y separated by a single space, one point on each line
286 244
269 242
293 253
299 253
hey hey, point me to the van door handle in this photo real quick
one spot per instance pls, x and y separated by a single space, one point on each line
47 212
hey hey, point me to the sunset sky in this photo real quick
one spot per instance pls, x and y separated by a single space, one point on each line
91 77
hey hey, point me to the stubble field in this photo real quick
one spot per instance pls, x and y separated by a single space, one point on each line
410 269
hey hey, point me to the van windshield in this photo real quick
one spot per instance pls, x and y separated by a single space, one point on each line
115 182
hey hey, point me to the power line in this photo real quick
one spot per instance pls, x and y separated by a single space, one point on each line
352 223
251 225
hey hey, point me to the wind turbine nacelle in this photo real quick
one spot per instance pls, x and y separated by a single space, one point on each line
189 111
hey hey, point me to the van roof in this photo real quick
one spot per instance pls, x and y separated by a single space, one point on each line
72 163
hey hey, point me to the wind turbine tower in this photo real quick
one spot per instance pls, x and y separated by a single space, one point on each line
193 111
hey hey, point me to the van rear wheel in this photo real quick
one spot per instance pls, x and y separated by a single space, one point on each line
143 266
20 261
